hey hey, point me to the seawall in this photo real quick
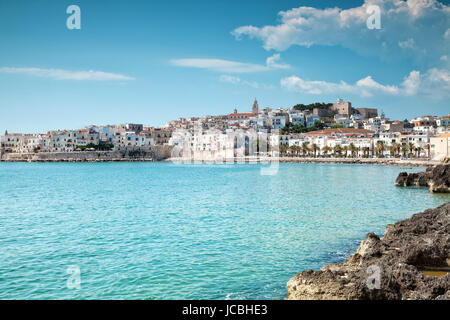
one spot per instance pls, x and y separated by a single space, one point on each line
375 161
156 153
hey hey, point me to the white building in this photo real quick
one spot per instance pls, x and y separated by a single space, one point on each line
277 122
440 147
342 120
311 119
297 118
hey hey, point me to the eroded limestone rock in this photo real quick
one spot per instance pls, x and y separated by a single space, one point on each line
390 267
436 178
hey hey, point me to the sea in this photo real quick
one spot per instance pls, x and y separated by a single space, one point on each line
162 230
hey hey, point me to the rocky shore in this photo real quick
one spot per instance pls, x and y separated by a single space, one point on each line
437 179
411 261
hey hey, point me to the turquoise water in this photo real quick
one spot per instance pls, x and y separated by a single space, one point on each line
165 231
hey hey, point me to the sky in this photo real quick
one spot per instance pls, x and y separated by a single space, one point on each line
154 61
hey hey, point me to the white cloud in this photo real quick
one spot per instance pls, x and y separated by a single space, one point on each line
434 82
60 74
237 80
229 79
218 65
294 83
422 24
407 44
411 84
447 34
367 85
228 66
271 62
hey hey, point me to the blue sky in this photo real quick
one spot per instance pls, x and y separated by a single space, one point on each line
154 61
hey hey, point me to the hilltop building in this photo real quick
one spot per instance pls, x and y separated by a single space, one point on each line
342 107
345 108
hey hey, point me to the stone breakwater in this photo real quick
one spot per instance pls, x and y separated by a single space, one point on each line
391 268
437 179
157 153
376 161
373 161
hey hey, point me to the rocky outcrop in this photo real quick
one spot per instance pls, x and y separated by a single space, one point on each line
390 267
436 178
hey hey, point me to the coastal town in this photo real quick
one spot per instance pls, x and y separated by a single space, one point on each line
334 130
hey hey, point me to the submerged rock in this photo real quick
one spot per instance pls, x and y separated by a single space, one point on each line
387 268
436 178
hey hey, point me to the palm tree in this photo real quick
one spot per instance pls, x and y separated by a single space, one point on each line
345 149
326 150
419 150
398 147
392 150
411 147
305 148
337 150
352 149
379 149
315 148
404 151
366 151
283 149
292 150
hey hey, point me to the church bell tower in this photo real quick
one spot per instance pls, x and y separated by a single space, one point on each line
255 107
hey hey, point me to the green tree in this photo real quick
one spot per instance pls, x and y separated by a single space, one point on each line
326 150
419 151
380 148
292 150
311 106
305 148
337 150
315 148
345 151
352 149
404 151
411 148
283 149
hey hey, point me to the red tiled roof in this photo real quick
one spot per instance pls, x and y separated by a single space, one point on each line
445 135
339 130
243 114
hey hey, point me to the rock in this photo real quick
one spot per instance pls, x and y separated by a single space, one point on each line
401 179
387 268
436 178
